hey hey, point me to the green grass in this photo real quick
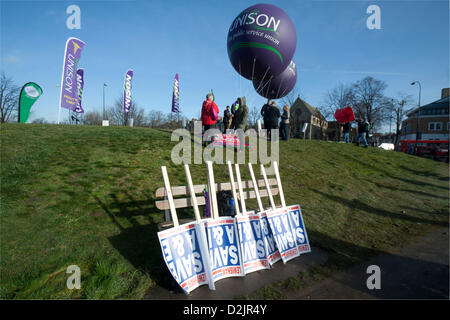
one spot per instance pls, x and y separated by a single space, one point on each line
85 196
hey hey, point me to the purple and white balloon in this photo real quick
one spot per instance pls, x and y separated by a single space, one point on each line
261 42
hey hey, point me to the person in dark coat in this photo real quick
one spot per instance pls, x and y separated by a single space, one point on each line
362 132
284 124
226 119
273 114
265 113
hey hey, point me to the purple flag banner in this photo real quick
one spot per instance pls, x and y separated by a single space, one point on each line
69 93
80 86
176 95
127 91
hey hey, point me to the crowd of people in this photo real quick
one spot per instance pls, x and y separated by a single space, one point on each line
235 117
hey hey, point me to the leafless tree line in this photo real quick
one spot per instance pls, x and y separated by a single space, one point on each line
368 101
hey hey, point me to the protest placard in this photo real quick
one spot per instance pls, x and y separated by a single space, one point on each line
273 255
223 248
223 242
184 248
183 256
283 235
295 214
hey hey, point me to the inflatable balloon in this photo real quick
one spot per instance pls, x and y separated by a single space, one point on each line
279 86
261 42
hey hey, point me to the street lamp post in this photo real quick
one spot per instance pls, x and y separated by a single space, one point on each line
418 110
104 111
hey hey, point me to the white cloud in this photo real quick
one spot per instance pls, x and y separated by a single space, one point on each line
12 59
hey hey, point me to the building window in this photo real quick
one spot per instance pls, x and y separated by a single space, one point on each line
448 126
435 126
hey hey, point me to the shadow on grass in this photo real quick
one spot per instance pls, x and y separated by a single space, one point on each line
443 211
406 190
139 244
424 173
357 204
389 174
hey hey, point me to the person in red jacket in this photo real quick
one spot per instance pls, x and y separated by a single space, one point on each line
207 121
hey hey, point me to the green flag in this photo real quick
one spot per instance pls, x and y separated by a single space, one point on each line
214 98
28 95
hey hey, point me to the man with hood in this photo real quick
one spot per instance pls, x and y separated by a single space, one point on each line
208 120
241 116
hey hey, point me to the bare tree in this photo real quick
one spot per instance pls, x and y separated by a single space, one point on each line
290 98
118 117
172 120
397 112
92 118
338 98
9 98
40 121
155 119
369 101
253 116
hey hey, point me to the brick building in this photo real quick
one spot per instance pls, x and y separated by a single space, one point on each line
428 122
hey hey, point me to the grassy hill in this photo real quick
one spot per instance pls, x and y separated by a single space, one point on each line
85 196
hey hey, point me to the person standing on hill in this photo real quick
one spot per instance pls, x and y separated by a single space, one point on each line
210 113
265 113
240 123
284 124
346 130
273 114
226 119
362 131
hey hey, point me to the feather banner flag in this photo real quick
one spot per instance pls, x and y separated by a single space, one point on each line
80 86
69 93
176 95
28 95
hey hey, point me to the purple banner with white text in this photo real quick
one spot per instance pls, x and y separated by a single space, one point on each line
69 93
127 91
80 86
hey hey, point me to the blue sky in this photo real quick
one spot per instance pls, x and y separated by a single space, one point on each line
161 38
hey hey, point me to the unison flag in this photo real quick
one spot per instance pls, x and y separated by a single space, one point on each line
69 92
127 91
344 115
80 86
176 95
28 95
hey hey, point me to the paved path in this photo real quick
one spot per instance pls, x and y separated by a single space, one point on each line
240 286
418 271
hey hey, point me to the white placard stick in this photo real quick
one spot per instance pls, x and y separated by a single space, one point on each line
241 190
169 196
280 188
233 188
269 192
212 188
255 187
192 192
